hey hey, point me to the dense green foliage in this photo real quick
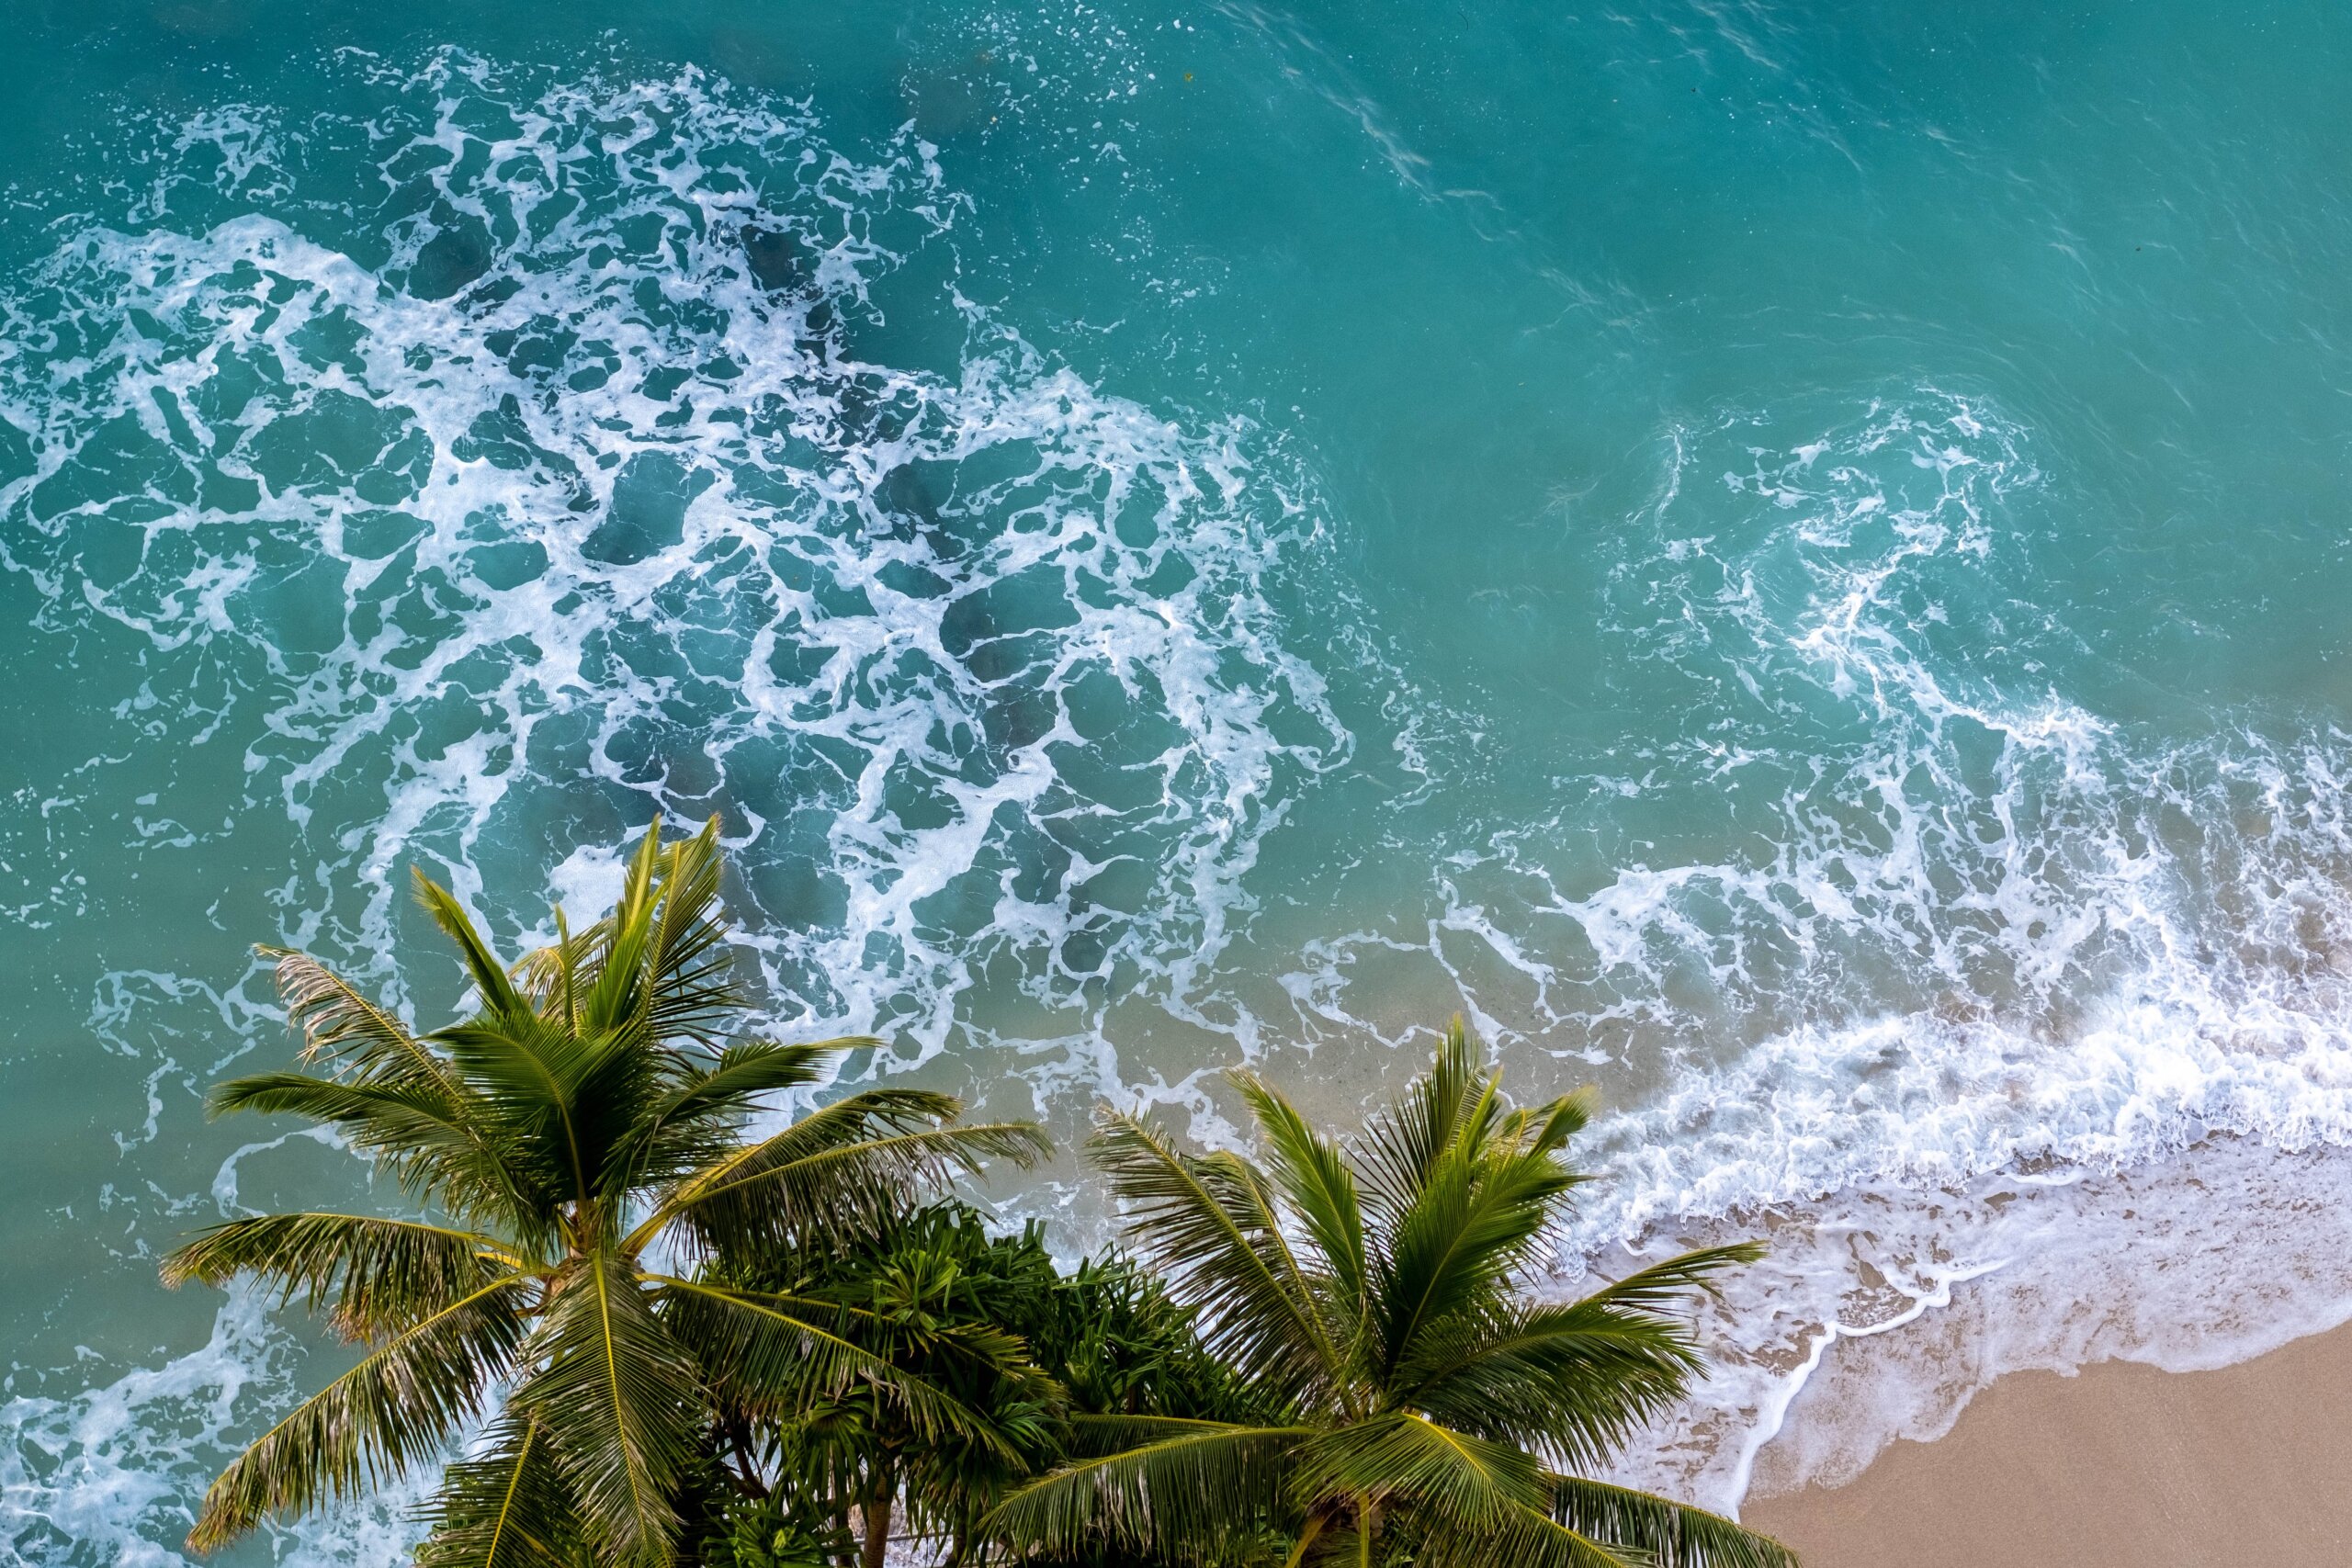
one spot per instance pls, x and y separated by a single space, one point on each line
665 1340
924 1291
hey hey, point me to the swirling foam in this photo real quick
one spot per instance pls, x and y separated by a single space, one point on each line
637 446
1890 946
2047 1027
522 453
594 470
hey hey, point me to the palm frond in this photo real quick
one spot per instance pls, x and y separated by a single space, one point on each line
619 1401
378 1275
746 1070
1454 1479
1402 1143
339 1024
1667 1286
489 978
845 1166
504 1507
692 989
1206 1222
1313 1177
1526 1537
1546 1129
696 1121
1097 1434
618 993
1666 1534
774 1354
398 1406
435 1146
1460 1237
536 1082
1181 1495
1573 1381
548 979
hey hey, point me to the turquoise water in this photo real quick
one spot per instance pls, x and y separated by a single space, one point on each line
1790 560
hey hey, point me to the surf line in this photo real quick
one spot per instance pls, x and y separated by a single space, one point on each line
1775 1411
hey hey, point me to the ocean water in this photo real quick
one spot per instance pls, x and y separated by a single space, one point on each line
1792 561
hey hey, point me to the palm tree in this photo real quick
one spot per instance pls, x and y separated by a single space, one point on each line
1437 1412
580 1141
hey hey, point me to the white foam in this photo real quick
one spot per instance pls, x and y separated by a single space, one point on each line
893 619
1988 1006
881 679
1955 930
110 1474
1884 1307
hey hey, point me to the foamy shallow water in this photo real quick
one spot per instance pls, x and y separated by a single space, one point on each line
1131 624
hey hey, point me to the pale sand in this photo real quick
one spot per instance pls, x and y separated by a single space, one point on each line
2121 1466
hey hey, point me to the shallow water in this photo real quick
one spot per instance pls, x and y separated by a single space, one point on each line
1789 562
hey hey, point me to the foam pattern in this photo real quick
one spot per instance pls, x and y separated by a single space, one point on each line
2004 1020
578 467
516 454
519 454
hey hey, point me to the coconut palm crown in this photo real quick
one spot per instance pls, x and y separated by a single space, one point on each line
1438 1414
579 1144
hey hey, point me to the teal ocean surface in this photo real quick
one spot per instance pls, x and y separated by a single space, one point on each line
1792 561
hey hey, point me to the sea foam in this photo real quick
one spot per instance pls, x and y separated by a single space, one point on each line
572 469
615 444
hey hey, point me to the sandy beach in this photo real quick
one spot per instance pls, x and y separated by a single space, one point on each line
2120 1466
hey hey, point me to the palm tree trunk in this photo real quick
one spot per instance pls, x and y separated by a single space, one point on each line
1306 1538
738 1433
874 1515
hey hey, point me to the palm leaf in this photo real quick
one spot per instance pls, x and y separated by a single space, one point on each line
1472 1223
748 1069
1208 1225
1666 1533
429 1144
382 1274
1546 1129
1313 1175
844 1166
1576 1379
533 1076
549 978
1667 1286
696 1122
1181 1495
619 994
1526 1537
620 1403
692 989
1454 1479
504 1507
1402 1143
491 983
398 1406
340 1025
774 1354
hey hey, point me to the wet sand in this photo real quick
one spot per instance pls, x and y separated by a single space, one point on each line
2121 1466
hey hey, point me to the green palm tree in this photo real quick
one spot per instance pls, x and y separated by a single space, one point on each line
1437 1412
580 1141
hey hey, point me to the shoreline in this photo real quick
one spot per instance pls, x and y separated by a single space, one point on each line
2119 1465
